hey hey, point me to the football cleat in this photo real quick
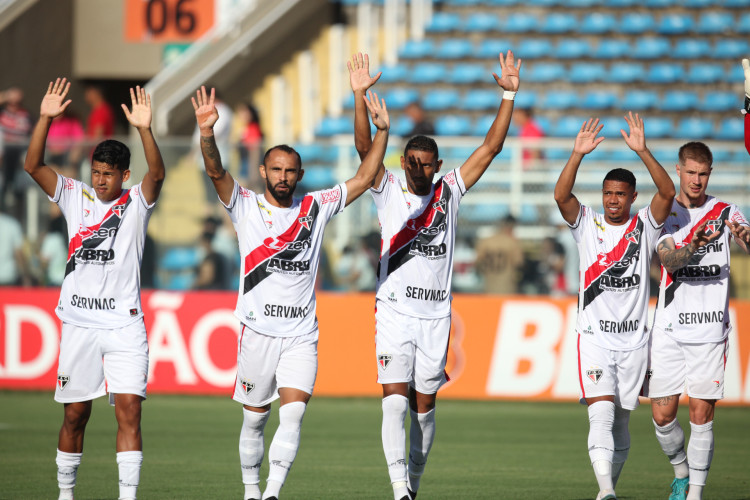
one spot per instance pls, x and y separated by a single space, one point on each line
412 494
679 489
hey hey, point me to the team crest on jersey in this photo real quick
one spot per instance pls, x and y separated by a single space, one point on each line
439 206
118 209
595 374
633 236
384 360
62 381
306 221
713 225
247 386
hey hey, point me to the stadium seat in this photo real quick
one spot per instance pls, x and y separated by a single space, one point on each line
318 177
480 127
626 72
597 23
721 155
621 3
560 99
394 74
572 48
490 48
581 4
658 127
179 282
584 72
479 99
545 72
454 48
651 48
611 48
659 4
427 72
541 3
313 152
678 100
526 99
444 22
731 48
675 24
481 22
731 129
402 125
465 73
743 23
639 100
623 155
399 97
720 101
567 126
665 73
700 73
693 129
557 154
736 4
635 23
440 99
612 126
534 48
179 259
558 22
665 156
736 73
544 123
691 48
519 22
699 4
601 99
335 125
463 3
453 125
502 3
715 23
417 49
529 213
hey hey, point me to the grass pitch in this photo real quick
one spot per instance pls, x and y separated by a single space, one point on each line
483 450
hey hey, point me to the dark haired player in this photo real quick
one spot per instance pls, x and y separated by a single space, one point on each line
418 231
615 251
103 345
280 238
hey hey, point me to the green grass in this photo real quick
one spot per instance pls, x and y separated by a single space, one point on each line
487 450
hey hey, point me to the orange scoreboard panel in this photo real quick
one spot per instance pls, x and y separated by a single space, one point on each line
167 20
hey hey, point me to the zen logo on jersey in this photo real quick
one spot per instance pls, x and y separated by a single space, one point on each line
633 236
713 225
330 196
118 209
439 206
279 244
595 374
384 360
432 231
247 386
306 221
62 381
102 232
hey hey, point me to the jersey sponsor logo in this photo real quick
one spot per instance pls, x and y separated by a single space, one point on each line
619 284
330 196
247 386
100 303
276 243
432 231
279 311
245 193
97 232
69 184
283 266
392 297
429 251
451 178
384 360
435 294
62 381
86 212
306 221
714 246
94 256
595 374
134 312
618 326
701 317
701 272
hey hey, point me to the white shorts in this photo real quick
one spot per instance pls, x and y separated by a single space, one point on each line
675 366
412 350
95 361
603 372
265 363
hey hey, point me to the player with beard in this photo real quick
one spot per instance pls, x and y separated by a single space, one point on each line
280 238
413 299
615 252
103 346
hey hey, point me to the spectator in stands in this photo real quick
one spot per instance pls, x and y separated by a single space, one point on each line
15 125
422 124
248 137
529 130
551 268
101 121
64 141
12 264
500 259
211 271
354 270
53 250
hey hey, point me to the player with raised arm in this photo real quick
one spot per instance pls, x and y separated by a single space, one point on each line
103 345
418 231
688 345
280 239
615 254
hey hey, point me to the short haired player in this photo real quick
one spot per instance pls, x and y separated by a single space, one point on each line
418 231
688 344
280 239
615 251
103 345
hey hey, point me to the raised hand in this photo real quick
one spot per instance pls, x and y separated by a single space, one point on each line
701 238
205 109
746 67
740 232
359 72
53 102
637 138
510 72
587 140
378 111
140 116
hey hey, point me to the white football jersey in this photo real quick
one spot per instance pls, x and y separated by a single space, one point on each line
418 234
280 251
694 300
102 284
614 278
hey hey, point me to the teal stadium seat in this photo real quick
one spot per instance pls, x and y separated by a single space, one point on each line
480 99
736 73
675 24
730 48
427 73
402 125
622 72
743 23
330 126
572 48
179 259
400 97
417 49
703 73
651 48
444 22
481 23
691 129
567 126
660 4
490 48
691 48
731 129
394 74
560 99
720 101
558 22
621 4
657 127
519 22
467 73
454 48
636 23
597 23
582 4
535 48
612 48
440 99
678 100
639 100
665 73
587 72
598 100
453 125
736 4
526 99
318 177
545 72
715 23
699 4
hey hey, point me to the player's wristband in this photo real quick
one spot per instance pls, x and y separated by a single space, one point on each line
509 95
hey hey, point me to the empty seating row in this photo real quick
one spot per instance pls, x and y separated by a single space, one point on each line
658 4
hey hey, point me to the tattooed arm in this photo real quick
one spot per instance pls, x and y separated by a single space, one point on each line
673 258
206 115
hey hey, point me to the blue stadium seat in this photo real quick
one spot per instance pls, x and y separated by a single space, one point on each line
622 155
731 129
558 22
691 48
519 22
743 23
454 48
720 101
526 99
490 48
572 48
626 72
678 100
675 24
700 73
399 97
567 126
313 152
557 154
440 99
463 3
731 48
585 72
598 23
534 48
651 48
394 74
544 123
465 73
581 4
179 282
481 126
427 72
444 22
502 3
529 213
545 72
453 125
699 4
639 100
635 23
736 3
658 127
329 126
693 129
659 4
665 156
601 99
736 73
482 22
179 259
621 3
612 48
665 73
481 99
560 99
612 126
318 177
713 22
402 125
417 49
541 3
721 155
349 101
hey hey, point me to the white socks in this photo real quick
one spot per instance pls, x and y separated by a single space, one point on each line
421 437
601 442
394 438
672 441
67 467
251 450
129 466
699 454
284 446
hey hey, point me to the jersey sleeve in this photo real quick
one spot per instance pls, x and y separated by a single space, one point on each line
332 201
237 206
576 229
137 192
456 184
651 228
66 192
381 194
735 215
